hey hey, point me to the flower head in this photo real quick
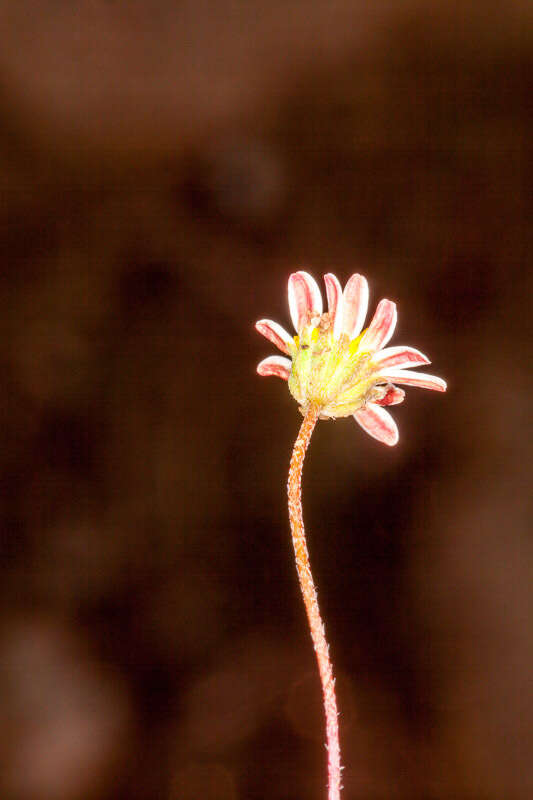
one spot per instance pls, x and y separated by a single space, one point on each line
335 365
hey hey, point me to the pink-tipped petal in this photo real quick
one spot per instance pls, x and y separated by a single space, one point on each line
274 333
378 423
275 365
304 298
354 306
334 293
381 328
400 357
408 378
392 397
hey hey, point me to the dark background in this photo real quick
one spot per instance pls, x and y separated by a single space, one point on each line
163 167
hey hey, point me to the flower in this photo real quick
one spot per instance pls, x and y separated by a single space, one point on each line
335 365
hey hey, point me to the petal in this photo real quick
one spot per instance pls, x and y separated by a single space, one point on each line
304 298
275 333
334 294
393 395
400 357
408 378
355 306
381 328
378 423
275 365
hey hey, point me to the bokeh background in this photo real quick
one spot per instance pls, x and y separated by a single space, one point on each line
163 167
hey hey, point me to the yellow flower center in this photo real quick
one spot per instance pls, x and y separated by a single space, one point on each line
332 374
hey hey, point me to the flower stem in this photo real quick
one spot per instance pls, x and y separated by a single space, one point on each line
307 586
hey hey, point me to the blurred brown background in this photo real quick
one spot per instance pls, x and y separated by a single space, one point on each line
163 167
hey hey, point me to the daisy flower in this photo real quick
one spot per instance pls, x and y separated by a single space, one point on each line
335 366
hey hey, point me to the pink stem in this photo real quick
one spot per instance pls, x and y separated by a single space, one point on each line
307 586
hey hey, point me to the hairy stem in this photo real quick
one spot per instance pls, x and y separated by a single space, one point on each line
307 586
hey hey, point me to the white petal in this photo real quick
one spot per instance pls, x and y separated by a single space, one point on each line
408 378
381 328
274 333
378 423
275 365
355 306
333 292
304 298
399 357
